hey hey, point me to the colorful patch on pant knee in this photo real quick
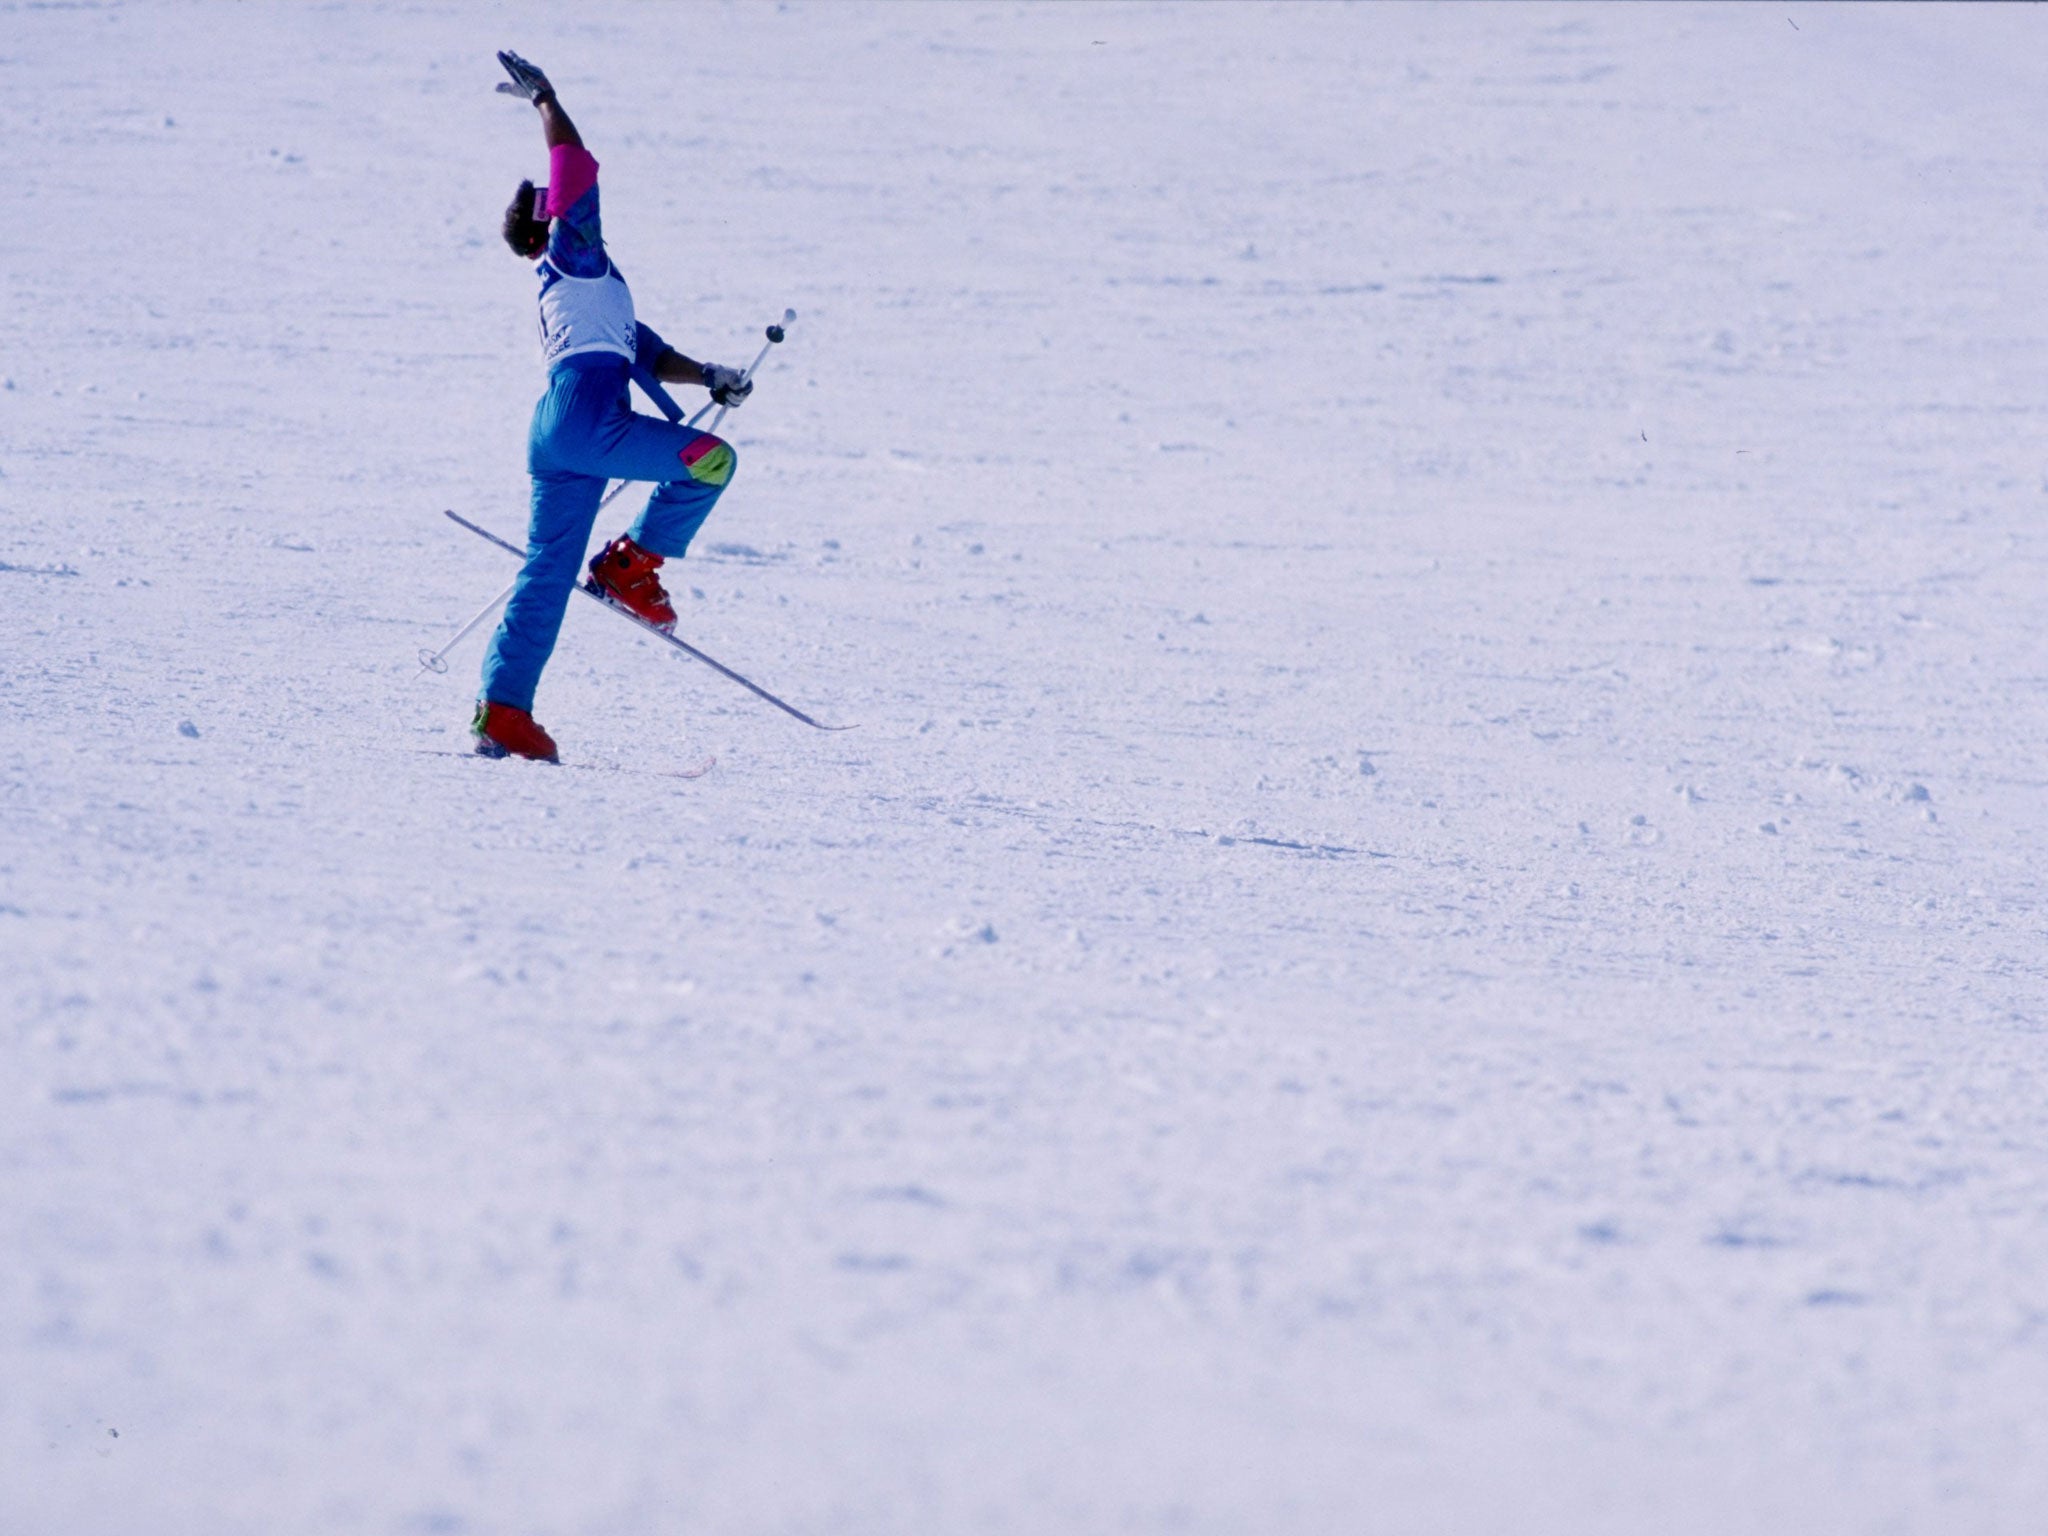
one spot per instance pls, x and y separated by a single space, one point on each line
709 461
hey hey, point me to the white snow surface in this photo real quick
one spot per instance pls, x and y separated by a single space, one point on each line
1434 922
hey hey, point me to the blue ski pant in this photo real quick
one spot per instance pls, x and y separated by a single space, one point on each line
585 433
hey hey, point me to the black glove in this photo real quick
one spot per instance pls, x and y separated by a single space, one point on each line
527 81
728 386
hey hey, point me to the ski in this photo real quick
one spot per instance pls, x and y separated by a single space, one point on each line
660 634
694 771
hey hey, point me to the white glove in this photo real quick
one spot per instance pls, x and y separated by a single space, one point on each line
526 80
728 386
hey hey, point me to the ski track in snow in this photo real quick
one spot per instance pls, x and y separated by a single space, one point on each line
1434 924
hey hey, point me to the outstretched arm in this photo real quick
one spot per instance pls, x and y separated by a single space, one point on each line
571 170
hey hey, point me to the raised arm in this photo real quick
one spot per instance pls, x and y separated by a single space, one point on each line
571 170
555 123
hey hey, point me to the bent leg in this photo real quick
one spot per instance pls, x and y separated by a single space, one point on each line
564 507
673 515
691 470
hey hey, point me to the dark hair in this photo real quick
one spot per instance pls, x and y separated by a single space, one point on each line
527 235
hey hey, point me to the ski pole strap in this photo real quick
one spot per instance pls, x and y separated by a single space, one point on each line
650 386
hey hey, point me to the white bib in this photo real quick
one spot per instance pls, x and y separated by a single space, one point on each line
584 314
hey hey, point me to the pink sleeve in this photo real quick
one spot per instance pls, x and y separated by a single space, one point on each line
571 173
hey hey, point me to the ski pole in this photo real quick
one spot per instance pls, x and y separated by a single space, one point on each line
775 335
437 661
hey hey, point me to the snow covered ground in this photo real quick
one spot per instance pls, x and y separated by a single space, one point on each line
1434 924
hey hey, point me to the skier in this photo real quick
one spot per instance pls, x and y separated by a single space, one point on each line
585 432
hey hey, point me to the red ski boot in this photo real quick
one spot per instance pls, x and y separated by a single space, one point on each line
501 730
625 574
